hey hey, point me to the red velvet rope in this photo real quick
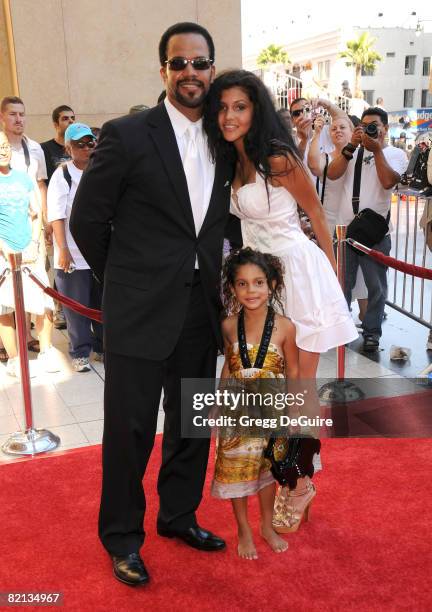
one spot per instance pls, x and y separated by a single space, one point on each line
96 315
91 313
402 266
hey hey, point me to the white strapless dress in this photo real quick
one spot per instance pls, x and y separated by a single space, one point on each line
314 300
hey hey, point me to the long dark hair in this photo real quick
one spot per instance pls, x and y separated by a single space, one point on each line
271 266
268 134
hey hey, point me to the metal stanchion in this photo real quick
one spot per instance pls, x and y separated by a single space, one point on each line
340 390
31 441
340 259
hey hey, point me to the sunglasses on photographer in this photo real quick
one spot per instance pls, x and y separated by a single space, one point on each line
180 63
85 145
300 111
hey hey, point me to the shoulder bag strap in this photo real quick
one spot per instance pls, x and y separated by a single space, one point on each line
66 175
324 178
357 180
26 154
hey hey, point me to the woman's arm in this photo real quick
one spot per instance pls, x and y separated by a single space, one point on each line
289 173
316 160
339 164
291 352
32 251
36 214
333 110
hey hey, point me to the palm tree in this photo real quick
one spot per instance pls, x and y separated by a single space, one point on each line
273 54
361 55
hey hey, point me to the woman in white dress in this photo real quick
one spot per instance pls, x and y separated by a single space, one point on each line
270 179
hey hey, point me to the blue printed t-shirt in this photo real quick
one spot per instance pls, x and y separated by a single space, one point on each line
15 223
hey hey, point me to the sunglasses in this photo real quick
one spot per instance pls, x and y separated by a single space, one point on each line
85 145
180 63
300 111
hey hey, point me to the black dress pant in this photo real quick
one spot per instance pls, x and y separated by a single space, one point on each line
132 394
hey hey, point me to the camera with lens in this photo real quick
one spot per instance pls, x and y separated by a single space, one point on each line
371 130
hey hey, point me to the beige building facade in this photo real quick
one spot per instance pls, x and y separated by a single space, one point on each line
99 56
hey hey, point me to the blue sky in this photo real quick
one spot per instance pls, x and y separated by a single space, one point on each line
267 21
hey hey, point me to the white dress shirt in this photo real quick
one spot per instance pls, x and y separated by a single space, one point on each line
180 125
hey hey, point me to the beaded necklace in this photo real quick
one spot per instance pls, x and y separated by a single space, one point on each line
265 339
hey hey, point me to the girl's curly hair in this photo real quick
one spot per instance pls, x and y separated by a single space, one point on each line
271 266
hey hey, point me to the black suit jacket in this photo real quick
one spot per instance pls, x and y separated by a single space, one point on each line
132 220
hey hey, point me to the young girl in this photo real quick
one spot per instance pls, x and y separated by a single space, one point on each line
252 286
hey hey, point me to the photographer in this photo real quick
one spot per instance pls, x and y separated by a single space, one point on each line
303 114
371 169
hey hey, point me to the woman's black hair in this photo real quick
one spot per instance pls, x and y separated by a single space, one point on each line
268 134
271 266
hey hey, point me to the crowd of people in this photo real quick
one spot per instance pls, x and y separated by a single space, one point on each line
346 188
53 170
144 211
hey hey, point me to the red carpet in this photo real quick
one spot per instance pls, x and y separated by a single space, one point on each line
401 416
368 545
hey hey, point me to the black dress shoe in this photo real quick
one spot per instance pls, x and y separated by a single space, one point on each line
130 570
194 536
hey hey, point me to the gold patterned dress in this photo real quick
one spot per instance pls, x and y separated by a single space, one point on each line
241 468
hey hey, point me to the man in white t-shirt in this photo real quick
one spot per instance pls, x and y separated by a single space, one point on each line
72 273
380 171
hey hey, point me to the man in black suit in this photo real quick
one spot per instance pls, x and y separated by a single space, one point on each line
149 217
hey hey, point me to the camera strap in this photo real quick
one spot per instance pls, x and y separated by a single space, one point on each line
324 178
357 181
356 184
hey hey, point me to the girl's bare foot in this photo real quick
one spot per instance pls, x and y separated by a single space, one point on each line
275 542
246 547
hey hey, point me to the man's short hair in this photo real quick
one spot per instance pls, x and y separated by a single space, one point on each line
185 27
374 110
60 109
296 101
9 100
